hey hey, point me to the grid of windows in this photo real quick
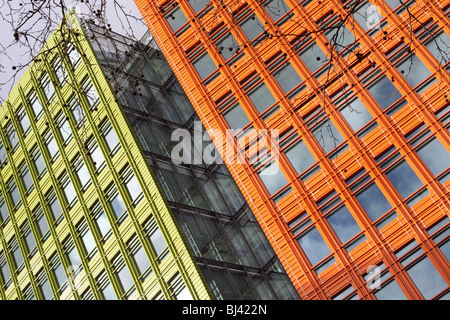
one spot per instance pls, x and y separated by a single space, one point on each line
365 130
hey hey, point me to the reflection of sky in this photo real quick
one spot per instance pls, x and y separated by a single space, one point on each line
356 114
300 157
158 242
236 117
427 278
272 177
384 92
327 135
310 56
435 156
314 246
390 291
141 260
103 224
133 188
413 70
373 201
288 78
404 179
343 224
261 98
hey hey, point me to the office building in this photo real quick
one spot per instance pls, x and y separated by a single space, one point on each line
356 96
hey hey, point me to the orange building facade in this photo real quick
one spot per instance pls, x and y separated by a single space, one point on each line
354 194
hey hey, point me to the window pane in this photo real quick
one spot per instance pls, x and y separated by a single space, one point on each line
343 224
158 242
227 46
300 156
390 291
176 19
327 135
427 278
373 201
413 70
356 114
314 246
261 97
204 65
384 92
287 77
276 8
435 156
272 177
404 179
313 57
198 5
236 117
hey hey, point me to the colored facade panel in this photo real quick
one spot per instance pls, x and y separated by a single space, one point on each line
83 215
357 206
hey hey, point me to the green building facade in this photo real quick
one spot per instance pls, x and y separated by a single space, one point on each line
91 207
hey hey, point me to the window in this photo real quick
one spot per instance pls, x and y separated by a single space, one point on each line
43 285
29 239
413 69
156 238
121 270
227 46
88 240
313 57
74 56
384 92
105 287
428 152
198 5
55 207
390 291
36 106
261 97
83 175
272 177
110 136
176 19
26 178
427 278
139 257
179 289
48 88
326 133
98 160
4 214
367 16
3 156
72 254
236 117
252 27
24 121
16 254
12 136
204 65
116 202
343 223
60 72
42 224
404 179
68 189
373 201
276 8
5 274
51 145
14 193
299 156
77 112
38 162
313 245
58 271
90 93
64 128
101 220
132 184
356 114
287 77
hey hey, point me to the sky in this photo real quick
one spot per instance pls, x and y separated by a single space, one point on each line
18 54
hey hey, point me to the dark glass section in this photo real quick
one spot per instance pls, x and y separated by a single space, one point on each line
230 247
